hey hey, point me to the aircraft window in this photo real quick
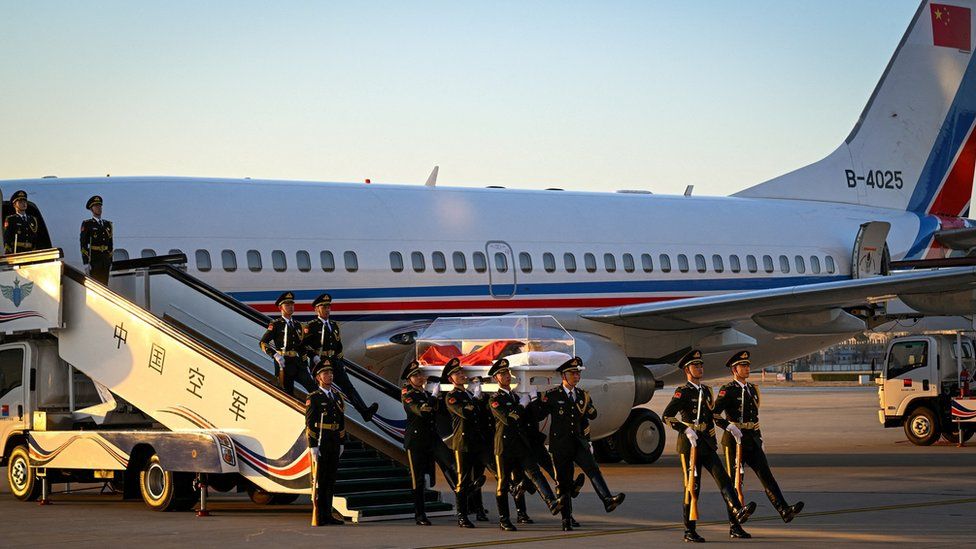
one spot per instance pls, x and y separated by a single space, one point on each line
800 265
647 263
203 260
549 262
175 251
229 260
665 261
396 262
700 263
351 261
815 264
525 262
438 262
629 263
278 261
569 260
784 264
480 262
501 262
683 263
254 261
148 252
120 255
751 263
327 260
460 263
609 262
768 263
417 259
303 260
717 263
589 262
830 265
734 264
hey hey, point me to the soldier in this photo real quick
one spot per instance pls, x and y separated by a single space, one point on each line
421 441
283 342
322 340
739 401
513 450
96 242
569 438
466 441
325 429
19 229
690 413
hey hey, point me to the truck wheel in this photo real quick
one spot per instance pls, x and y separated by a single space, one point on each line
641 439
23 481
605 450
164 490
922 426
951 433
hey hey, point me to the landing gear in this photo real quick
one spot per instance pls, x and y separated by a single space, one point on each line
641 439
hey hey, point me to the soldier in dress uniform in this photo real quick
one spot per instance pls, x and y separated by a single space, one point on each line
569 438
283 342
323 340
325 429
19 228
466 441
690 413
739 401
96 242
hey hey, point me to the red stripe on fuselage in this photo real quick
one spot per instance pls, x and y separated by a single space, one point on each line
455 304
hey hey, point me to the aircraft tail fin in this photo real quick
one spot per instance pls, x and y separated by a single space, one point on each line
913 147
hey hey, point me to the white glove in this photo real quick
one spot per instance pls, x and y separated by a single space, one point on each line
524 399
88 270
735 432
342 448
476 388
763 446
315 453
692 436
316 359
436 391
279 359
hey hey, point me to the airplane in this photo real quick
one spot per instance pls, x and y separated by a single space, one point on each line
783 268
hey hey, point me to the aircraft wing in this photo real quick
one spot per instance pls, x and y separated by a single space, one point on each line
722 309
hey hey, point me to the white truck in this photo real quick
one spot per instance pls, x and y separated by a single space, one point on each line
924 388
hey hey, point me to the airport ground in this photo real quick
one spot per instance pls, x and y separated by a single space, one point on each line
863 486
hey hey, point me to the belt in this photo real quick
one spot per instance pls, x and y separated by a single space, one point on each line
100 248
327 426
288 353
702 427
747 426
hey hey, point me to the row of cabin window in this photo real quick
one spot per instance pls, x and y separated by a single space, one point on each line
279 262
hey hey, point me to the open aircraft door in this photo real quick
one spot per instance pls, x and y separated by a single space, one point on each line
501 269
870 257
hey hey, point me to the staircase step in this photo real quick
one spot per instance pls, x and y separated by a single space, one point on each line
386 497
356 453
372 472
364 462
401 509
355 485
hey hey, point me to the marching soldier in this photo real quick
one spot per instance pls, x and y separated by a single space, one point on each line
690 413
96 242
466 441
322 340
325 428
513 451
739 401
19 228
283 342
569 438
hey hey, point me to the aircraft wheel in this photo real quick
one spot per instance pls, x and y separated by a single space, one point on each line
641 439
164 490
23 481
922 426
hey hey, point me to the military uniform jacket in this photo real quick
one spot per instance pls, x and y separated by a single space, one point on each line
467 421
683 410
325 418
320 340
511 438
570 424
740 407
19 229
421 408
283 337
96 239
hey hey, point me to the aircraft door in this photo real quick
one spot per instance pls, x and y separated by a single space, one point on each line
870 257
501 269
43 236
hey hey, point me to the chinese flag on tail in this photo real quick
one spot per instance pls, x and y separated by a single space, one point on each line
951 26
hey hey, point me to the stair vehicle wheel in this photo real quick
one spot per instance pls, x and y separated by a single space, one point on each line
951 433
261 497
23 481
922 426
164 490
641 439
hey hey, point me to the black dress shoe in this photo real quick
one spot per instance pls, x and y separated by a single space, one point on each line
692 536
373 408
567 526
507 525
791 512
611 503
524 518
736 532
481 516
743 514
334 521
463 522
578 484
423 521
573 522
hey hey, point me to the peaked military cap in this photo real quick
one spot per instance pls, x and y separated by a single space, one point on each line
286 297
452 366
324 299
323 365
574 364
742 357
18 195
693 356
411 369
93 201
500 365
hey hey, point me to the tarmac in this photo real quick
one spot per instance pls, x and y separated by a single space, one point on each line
863 485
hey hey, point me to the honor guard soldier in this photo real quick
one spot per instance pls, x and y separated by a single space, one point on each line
739 401
325 428
421 441
322 340
19 228
283 342
513 449
96 242
572 410
690 413
466 441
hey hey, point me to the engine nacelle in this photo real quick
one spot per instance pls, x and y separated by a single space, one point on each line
610 379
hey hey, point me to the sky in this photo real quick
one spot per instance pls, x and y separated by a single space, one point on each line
600 95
